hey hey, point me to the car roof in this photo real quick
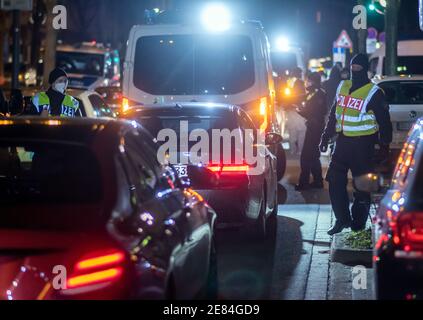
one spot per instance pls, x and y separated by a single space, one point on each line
67 130
398 78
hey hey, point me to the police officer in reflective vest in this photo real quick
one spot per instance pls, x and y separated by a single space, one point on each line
54 102
360 117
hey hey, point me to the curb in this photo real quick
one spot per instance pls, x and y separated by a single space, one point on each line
343 254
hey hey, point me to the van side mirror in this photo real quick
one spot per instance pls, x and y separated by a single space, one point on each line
273 138
370 183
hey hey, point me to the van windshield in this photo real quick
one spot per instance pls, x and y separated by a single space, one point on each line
194 64
81 63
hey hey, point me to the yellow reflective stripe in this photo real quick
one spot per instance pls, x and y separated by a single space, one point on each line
364 117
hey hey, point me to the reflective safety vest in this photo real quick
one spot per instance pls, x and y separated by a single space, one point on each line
352 118
69 108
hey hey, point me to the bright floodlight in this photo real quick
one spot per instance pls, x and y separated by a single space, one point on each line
282 44
216 17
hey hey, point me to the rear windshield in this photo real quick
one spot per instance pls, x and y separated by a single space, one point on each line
403 92
194 64
81 63
48 174
156 123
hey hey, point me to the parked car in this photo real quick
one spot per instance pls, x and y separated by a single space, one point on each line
240 198
86 199
404 95
398 253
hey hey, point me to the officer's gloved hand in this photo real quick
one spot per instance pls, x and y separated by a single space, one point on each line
324 145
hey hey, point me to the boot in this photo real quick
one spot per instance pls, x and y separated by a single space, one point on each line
339 227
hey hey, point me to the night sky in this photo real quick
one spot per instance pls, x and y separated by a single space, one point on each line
296 19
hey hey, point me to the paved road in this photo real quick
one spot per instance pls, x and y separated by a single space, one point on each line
299 267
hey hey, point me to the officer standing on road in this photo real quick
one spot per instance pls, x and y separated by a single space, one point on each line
360 117
54 102
314 110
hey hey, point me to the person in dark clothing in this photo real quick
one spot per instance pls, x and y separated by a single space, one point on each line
314 110
345 74
331 85
360 117
55 101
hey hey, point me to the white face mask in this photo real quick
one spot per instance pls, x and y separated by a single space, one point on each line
60 87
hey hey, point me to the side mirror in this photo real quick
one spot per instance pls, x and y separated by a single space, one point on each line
273 138
370 183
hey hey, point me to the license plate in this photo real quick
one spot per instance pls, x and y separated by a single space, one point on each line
404 126
182 171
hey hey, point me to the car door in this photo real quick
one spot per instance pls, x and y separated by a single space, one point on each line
184 208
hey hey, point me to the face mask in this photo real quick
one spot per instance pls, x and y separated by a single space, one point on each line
60 87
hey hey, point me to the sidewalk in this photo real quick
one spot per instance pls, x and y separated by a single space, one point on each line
308 273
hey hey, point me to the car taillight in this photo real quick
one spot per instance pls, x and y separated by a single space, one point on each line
229 169
127 104
408 231
94 269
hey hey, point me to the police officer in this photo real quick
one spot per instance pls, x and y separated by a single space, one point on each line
314 110
360 117
55 102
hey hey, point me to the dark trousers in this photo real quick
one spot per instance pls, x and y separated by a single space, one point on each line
310 156
355 154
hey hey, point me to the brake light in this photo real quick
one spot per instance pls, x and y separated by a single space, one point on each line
98 268
125 105
94 278
101 261
229 169
408 231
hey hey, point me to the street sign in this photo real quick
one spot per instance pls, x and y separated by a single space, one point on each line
339 55
344 41
22 5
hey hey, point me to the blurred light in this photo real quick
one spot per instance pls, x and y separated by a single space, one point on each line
382 3
372 7
156 10
287 92
216 17
282 44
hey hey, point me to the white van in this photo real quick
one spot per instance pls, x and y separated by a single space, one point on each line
189 63
410 59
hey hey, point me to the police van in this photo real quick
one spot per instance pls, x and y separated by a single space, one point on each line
219 61
89 65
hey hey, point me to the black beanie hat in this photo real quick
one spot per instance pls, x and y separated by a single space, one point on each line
362 60
56 74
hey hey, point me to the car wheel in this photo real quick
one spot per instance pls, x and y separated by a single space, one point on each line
212 290
272 224
259 231
281 162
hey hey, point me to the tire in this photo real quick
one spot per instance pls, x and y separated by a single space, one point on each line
272 224
212 286
281 162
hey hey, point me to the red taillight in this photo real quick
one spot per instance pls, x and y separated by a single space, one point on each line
108 275
97 268
229 169
408 231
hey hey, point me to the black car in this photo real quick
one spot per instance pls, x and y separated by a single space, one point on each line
398 252
241 199
87 200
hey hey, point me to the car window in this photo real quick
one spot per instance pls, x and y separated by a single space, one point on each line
81 63
101 109
403 92
200 65
407 65
48 173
